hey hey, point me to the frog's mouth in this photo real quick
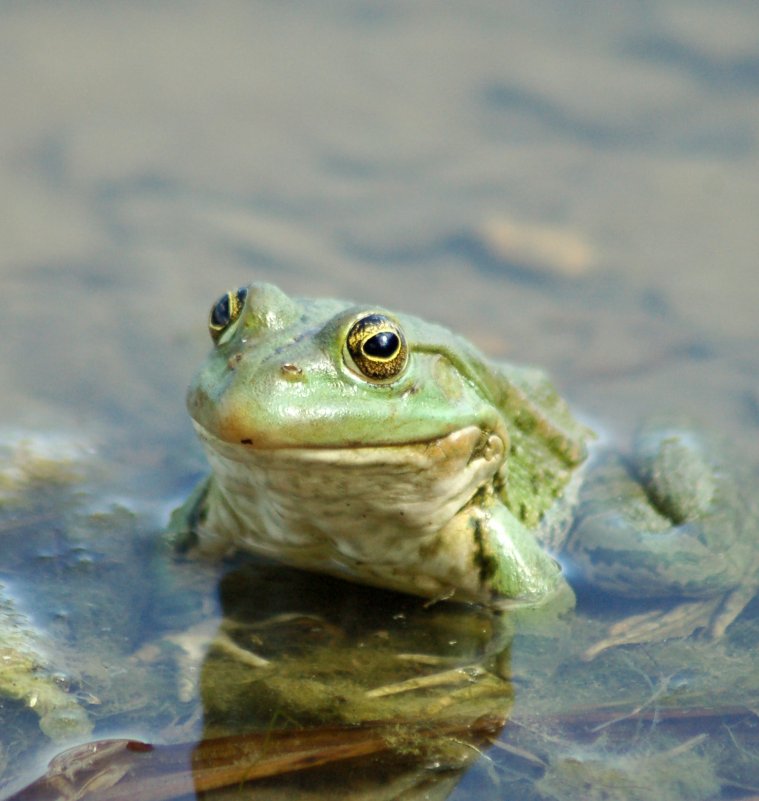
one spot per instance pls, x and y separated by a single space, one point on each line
293 496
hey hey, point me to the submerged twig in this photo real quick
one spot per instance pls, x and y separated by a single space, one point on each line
468 673
125 770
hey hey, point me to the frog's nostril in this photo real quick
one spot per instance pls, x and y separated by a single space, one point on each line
290 371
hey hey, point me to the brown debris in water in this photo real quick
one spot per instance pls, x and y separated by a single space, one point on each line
127 770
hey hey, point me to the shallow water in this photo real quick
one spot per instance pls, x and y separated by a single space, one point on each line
573 187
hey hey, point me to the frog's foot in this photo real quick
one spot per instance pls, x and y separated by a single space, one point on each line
674 521
730 607
712 616
654 626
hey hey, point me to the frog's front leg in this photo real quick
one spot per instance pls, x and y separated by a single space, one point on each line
502 562
673 521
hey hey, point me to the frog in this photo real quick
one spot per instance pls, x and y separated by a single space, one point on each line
353 441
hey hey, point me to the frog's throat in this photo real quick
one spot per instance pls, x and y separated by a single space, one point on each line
370 502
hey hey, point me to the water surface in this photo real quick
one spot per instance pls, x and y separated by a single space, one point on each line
154 156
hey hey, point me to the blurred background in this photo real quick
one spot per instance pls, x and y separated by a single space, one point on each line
574 185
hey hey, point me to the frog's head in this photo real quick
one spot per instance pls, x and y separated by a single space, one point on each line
289 373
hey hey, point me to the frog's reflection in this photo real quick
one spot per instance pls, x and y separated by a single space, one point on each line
391 695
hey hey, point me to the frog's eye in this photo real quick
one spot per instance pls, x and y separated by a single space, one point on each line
225 311
377 347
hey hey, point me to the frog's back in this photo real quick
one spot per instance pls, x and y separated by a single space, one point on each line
547 443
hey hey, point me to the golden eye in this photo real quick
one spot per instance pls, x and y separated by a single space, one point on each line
225 311
377 347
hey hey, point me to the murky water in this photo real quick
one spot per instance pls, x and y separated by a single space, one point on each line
575 186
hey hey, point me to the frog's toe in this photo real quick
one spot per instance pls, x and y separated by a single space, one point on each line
730 607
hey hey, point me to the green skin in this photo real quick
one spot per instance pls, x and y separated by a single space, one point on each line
327 468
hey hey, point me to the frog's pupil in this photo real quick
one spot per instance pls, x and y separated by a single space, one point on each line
382 346
220 316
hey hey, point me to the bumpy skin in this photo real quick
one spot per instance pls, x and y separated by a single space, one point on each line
427 469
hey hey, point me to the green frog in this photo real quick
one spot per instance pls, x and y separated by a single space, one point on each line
377 447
